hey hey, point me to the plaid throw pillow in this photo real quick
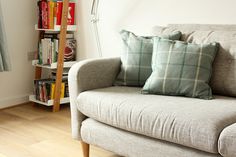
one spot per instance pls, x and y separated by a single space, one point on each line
136 58
181 68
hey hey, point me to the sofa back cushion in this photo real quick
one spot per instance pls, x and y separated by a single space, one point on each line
224 68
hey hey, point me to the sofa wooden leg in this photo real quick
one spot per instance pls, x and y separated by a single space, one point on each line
85 149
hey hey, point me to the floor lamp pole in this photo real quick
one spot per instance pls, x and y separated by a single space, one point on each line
94 20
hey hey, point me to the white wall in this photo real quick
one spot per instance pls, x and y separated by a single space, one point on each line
19 19
140 15
136 15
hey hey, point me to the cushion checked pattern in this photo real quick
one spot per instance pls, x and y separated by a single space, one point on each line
136 58
181 68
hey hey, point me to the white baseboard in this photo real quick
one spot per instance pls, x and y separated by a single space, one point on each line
13 101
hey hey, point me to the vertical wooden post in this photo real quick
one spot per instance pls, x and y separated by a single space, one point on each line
38 72
60 59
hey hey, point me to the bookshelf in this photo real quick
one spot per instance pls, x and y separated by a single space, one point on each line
60 64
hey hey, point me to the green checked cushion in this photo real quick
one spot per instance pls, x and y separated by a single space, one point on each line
181 69
136 58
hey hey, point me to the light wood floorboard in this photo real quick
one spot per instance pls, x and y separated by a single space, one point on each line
34 131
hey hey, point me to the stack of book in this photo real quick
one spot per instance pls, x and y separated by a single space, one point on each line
44 89
50 12
49 47
65 79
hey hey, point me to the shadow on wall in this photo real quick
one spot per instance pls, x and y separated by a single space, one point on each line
113 15
140 16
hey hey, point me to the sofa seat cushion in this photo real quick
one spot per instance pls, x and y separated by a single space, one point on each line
190 122
227 141
129 144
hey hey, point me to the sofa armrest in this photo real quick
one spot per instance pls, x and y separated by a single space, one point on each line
87 75
227 141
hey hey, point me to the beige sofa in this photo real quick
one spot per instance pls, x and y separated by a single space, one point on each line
122 120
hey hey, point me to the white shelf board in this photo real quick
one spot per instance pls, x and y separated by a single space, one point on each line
50 102
53 65
57 28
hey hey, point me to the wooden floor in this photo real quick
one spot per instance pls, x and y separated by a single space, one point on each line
34 131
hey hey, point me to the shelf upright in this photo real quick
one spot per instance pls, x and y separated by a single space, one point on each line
60 60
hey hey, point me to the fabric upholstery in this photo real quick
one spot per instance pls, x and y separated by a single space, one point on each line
133 145
227 141
181 68
224 68
87 75
220 111
190 122
136 58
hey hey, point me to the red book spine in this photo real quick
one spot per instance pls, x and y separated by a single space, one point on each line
45 23
71 14
59 12
39 15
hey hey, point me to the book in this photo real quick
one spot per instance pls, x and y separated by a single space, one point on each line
39 14
46 50
52 92
50 52
56 50
59 13
71 13
50 35
44 89
49 48
36 92
40 55
70 50
50 13
67 90
55 13
52 59
40 90
51 6
44 9
45 95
